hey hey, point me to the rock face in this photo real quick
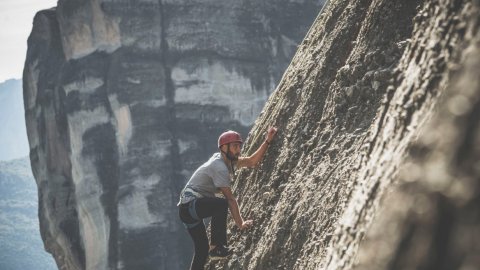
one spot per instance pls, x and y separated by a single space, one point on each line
124 99
350 109
431 220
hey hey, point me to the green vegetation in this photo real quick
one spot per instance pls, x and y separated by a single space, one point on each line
21 245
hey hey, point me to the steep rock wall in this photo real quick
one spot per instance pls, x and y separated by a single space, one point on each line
124 99
430 219
366 78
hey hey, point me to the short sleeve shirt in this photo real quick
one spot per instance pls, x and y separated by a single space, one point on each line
206 180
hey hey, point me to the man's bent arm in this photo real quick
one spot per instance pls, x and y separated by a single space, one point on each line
233 205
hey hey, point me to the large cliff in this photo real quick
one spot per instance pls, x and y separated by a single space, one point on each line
380 94
123 99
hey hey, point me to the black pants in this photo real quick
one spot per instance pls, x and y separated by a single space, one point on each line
217 208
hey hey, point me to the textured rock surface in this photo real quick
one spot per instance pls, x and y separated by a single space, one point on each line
430 220
356 96
124 99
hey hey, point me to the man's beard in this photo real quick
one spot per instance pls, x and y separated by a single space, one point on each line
232 156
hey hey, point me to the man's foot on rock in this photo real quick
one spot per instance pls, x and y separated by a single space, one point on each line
220 252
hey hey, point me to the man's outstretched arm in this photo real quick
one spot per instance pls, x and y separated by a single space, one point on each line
256 157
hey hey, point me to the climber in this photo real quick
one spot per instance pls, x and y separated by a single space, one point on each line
198 200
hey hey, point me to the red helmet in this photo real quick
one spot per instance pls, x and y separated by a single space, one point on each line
229 137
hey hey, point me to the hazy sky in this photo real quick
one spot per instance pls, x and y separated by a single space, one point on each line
16 17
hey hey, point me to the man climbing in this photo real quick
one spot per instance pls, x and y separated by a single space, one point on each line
198 201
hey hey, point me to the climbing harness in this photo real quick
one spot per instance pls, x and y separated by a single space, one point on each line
191 196
193 214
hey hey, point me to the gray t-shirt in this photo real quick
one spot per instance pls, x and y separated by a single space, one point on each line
206 180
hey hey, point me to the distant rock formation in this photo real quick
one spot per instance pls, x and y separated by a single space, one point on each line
352 112
124 99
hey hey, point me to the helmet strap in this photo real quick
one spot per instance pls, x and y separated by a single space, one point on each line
233 168
231 158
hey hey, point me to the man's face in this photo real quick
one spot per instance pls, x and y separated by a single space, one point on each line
234 150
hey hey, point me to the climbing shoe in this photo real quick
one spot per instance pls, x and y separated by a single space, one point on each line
220 252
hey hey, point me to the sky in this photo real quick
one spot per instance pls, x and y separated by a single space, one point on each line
16 18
